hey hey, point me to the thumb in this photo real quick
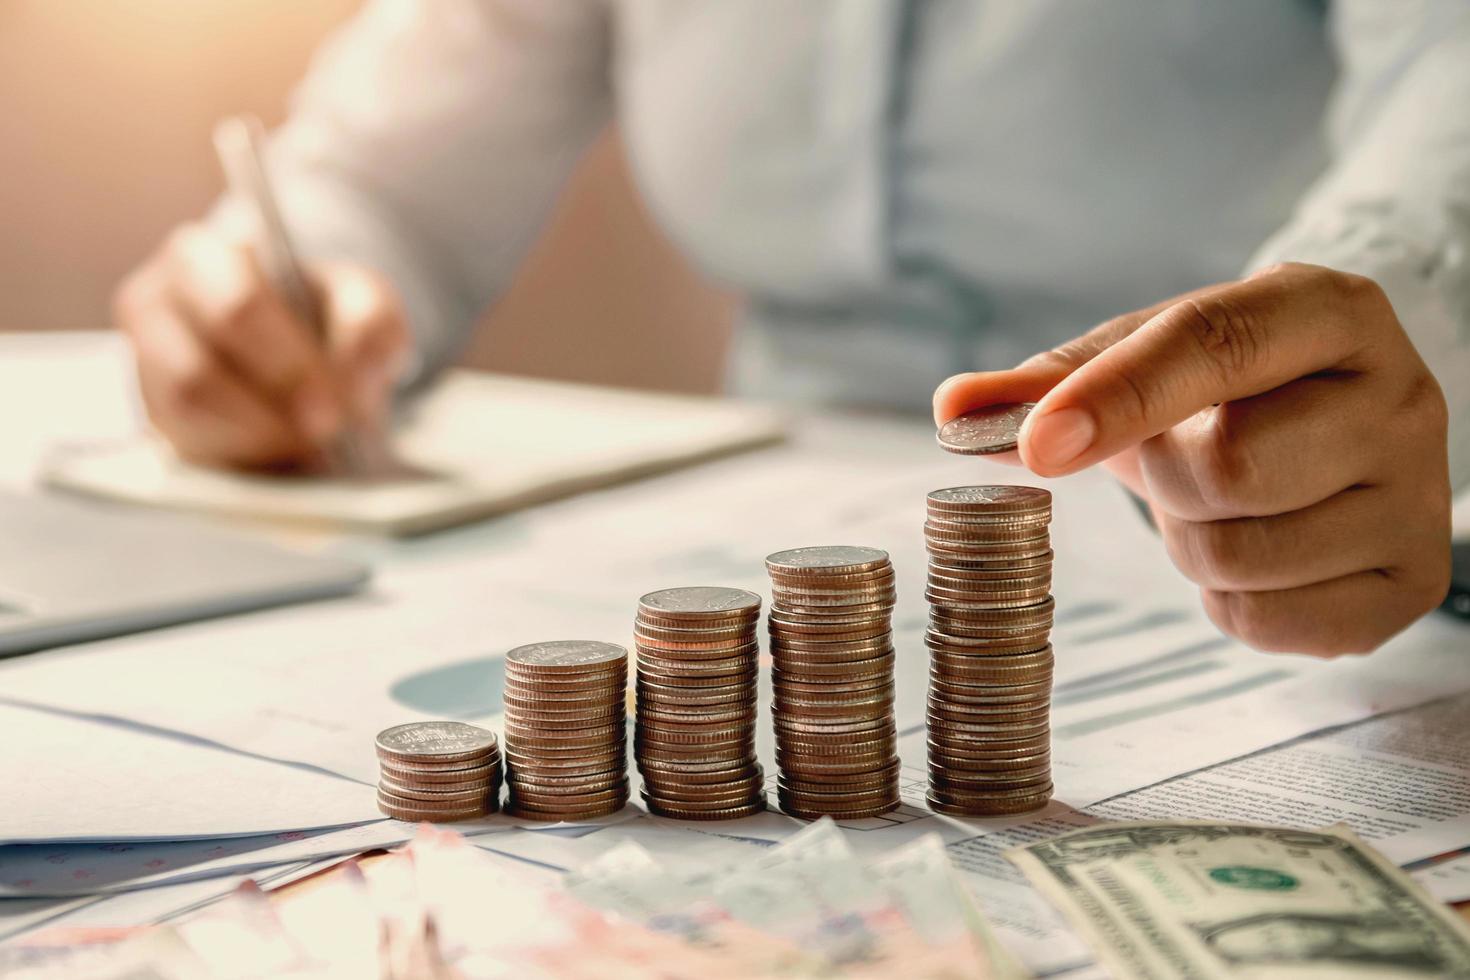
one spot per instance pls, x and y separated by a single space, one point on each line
1030 380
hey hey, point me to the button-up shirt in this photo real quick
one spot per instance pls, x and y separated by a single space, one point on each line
907 188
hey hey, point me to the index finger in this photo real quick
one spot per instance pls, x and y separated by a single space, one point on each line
1231 342
233 309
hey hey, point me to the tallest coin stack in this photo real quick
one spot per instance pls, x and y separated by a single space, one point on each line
990 669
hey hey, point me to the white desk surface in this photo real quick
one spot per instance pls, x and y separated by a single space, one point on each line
310 685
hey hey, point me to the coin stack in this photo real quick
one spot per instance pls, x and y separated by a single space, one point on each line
566 743
694 735
832 673
439 771
990 660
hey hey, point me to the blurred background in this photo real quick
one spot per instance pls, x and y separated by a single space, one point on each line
107 108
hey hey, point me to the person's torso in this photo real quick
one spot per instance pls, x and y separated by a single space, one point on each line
971 180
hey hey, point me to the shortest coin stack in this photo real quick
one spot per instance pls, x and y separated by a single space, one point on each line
695 732
438 771
565 730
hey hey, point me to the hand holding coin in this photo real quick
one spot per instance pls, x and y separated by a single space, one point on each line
1288 438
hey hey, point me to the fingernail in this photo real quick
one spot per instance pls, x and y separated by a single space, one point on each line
949 383
942 411
317 413
1059 437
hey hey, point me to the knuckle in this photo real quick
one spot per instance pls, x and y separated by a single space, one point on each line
1220 553
1245 617
1251 619
1425 403
1276 270
193 387
1359 293
1063 360
1227 470
1227 611
237 307
1139 394
1431 583
1232 337
1361 640
1436 586
1228 551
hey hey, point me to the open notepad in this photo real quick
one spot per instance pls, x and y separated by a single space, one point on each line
477 444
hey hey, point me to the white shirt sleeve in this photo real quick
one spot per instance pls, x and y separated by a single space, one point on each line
1395 203
429 141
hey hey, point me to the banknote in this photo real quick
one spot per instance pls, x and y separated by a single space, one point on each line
808 908
1216 900
629 882
940 908
443 909
813 891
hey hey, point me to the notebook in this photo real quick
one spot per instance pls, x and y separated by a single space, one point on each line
475 445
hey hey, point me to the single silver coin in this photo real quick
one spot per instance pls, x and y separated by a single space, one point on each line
567 654
841 557
701 600
436 740
992 429
999 495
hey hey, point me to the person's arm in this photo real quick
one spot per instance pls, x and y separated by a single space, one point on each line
423 152
429 142
1395 204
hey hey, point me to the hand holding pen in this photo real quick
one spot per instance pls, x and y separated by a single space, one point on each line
246 366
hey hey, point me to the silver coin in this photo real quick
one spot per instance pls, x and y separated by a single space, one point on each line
700 601
992 429
567 654
998 497
974 566
806 582
818 558
442 741
464 794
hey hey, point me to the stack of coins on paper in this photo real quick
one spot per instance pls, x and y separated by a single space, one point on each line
694 737
990 660
438 771
566 739
832 674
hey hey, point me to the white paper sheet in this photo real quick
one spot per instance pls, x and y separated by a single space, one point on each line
139 908
62 869
74 780
1147 689
1401 782
1447 880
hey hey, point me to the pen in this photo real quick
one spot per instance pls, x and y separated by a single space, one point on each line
239 142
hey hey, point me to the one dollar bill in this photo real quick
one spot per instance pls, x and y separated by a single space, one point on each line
1210 900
